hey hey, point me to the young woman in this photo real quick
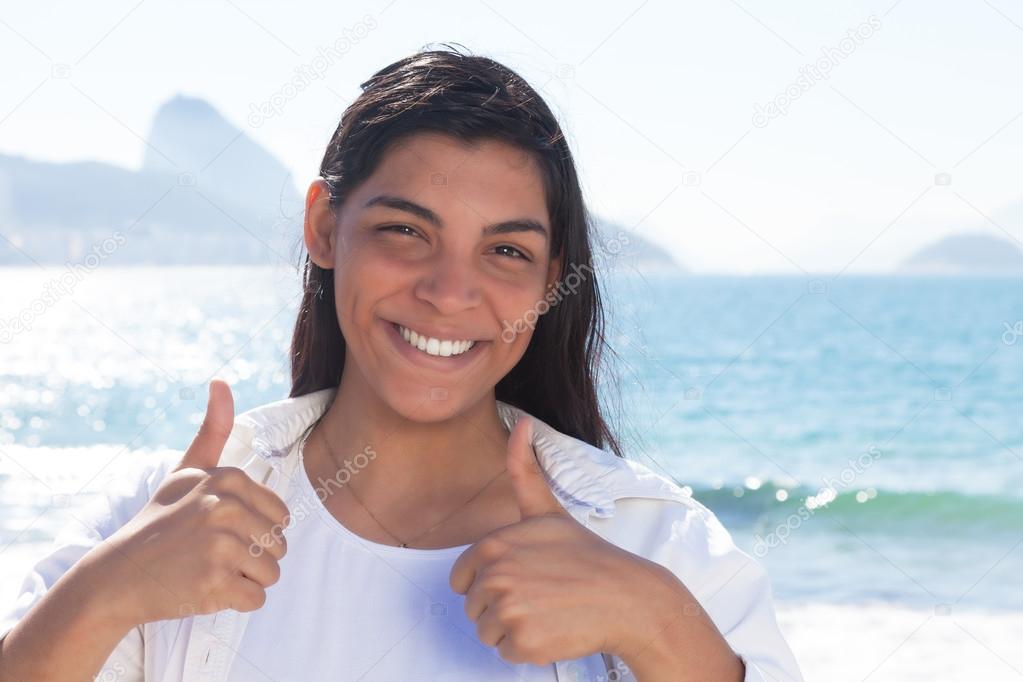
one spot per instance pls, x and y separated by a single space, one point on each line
440 498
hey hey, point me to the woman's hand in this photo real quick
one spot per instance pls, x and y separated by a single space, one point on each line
548 589
209 539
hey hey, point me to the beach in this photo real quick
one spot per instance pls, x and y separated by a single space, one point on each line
859 435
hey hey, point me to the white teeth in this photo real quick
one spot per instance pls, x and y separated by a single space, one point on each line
431 346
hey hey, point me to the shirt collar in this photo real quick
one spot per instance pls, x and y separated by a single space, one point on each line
585 479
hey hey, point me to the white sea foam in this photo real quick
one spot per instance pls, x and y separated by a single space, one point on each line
880 641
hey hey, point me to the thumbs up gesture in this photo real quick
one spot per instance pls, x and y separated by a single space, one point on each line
547 588
210 538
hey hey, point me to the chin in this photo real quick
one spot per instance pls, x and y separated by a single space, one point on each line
424 404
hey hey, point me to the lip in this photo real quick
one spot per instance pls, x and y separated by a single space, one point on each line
433 362
439 332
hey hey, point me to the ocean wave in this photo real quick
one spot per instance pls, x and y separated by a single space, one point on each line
868 508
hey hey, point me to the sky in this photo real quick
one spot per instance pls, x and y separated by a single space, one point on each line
743 137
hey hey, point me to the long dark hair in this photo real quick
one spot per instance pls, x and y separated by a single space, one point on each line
472 98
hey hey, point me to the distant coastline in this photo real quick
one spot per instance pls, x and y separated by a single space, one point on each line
967 253
206 194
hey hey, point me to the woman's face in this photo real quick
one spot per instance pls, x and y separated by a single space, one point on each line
451 242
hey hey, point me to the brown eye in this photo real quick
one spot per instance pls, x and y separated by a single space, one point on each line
512 248
396 228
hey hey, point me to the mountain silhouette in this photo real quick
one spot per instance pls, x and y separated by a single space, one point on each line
968 252
206 193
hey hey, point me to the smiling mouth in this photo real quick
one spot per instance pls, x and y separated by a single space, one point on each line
434 347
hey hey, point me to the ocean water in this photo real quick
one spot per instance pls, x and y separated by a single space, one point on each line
861 436
864 435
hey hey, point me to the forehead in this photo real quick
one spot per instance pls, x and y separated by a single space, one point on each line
493 178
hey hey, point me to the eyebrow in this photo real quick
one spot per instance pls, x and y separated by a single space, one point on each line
503 227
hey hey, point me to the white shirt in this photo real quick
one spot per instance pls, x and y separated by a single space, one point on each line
619 499
347 608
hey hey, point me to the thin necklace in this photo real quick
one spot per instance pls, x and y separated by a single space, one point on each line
405 543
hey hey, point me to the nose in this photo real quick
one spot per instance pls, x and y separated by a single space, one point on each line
451 284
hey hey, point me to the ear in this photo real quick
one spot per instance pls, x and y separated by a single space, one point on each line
320 225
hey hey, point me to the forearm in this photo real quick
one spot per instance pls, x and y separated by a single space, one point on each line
678 627
660 662
68 634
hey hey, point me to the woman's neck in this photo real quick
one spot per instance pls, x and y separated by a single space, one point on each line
413 473
438 460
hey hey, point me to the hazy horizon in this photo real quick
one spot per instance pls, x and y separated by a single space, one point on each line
902 124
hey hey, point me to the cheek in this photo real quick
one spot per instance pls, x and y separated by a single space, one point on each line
371 267
365 276
520 315
352 287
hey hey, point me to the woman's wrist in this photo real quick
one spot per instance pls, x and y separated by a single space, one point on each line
668 624
70 632
104 592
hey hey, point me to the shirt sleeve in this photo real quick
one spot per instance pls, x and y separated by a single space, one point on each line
733 587
89 526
